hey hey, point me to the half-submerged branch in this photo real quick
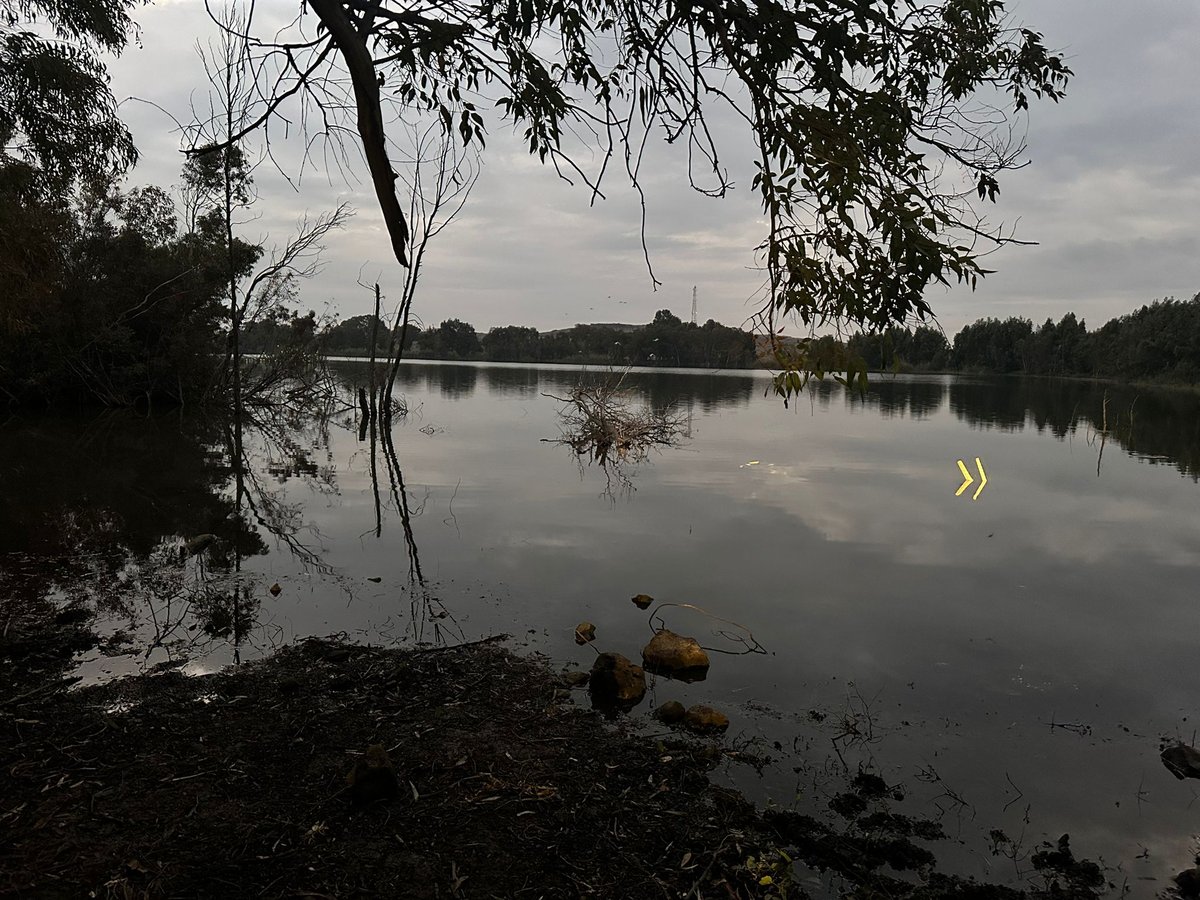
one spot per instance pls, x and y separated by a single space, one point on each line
601 421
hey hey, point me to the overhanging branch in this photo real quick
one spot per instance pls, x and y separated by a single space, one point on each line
361 67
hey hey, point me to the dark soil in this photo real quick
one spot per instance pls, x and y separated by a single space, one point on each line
236 785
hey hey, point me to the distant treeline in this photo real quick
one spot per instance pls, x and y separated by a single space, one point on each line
667 341
1159 342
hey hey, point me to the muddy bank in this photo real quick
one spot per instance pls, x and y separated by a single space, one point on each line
236 785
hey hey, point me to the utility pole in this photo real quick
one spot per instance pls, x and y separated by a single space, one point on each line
693 304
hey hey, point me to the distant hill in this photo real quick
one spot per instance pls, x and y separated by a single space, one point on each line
612 326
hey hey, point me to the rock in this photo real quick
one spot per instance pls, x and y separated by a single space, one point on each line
585 632
671 712
275 589
671 654
642 601
576 679
562 694
1188 882
705 719
615 680
373 778
1182 761
289 686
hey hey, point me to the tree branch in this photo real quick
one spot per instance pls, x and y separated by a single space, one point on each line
361 67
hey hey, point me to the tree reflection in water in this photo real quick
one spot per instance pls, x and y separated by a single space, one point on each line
1155 425
429 622
156 550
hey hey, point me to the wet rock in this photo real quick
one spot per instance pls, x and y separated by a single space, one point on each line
576 679
705 719
1188 882
1182 761
585 632
672 654
617 681
671 712
562 694
373 778
275 589
642 601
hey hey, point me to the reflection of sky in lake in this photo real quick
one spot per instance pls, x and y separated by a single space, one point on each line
1059 596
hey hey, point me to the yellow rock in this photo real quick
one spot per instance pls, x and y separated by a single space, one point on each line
673 654
616 680
705 719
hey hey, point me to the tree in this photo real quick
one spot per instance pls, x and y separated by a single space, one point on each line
354 335
927 348
514 343
57 114
104 297
666 320
995 345
438 178
1161 340
866 116
457 338
218 189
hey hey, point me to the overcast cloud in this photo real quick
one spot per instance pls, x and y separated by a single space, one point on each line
1112 196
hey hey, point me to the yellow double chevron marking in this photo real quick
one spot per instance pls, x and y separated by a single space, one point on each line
968 479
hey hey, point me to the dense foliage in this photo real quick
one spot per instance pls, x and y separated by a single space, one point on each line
924 348
666 341
453 339
349 337
58 119
107 298
1160 341
110 299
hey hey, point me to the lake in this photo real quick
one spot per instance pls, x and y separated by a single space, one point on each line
1011 658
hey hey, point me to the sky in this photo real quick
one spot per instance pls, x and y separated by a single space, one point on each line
1111 195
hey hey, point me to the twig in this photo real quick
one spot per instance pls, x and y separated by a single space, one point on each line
495 638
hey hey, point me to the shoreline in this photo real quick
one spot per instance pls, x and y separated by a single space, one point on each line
330 769
769 370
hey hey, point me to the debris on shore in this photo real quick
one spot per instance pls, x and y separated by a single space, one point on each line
340 770
466 777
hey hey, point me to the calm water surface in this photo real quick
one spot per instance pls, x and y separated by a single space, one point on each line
1013 661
